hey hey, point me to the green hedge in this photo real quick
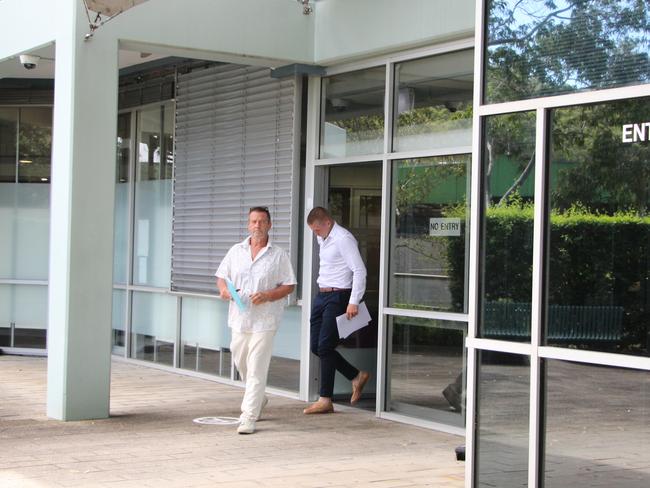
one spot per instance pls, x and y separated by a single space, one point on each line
594 260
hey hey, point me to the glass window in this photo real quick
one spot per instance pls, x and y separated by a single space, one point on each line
353 114
34 145
597 426
205 336
428 240
153 203
123 147
153 327
502 420
119 319
155 126
121 226
540 47
426 368
599 252
433 102
23 316
8 129
284 371
24 231
507 234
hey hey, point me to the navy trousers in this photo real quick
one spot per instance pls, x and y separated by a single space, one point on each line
325 337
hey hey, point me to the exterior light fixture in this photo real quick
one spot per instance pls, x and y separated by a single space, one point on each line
306 7
25 161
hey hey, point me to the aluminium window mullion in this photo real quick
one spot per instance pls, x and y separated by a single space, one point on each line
383 374
426 314
473 286
415 154
308 367
569 99
595 357
133 144
537 303
17 162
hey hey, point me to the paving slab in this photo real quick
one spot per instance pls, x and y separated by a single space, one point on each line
151 440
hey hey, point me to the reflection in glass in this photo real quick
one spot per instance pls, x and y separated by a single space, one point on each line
153 202
599 253
597 426
353 114
540 47
428 240
121 226
433 102
123 147
8 128
155 145
34 145
502 418
507 240
119 321
427 367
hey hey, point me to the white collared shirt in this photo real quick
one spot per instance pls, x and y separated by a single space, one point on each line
270 268
341 265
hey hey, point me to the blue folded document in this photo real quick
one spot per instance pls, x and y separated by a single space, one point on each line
235 295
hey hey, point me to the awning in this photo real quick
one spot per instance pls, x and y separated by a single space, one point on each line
110 8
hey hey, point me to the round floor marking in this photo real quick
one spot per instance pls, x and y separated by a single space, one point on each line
216 420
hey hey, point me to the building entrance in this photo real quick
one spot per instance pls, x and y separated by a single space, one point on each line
354 200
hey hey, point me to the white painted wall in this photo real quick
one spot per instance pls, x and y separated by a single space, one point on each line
269 32
349 29
258 32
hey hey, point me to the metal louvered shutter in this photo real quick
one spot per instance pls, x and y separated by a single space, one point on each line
234 150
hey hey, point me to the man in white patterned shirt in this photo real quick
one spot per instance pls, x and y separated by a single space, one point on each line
342 283
263 276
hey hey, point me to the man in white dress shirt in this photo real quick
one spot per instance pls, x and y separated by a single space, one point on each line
263 276
342 283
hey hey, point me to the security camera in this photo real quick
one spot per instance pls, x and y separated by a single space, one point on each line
29 61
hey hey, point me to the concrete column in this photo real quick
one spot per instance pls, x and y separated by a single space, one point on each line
81 228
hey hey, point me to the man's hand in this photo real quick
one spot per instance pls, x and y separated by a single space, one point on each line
351 311
260 297
224 294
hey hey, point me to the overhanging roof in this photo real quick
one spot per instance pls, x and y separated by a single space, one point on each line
111 7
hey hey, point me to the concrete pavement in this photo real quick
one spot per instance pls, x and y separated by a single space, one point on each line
150 439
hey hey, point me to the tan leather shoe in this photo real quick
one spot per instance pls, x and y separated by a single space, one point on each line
319 407
357 386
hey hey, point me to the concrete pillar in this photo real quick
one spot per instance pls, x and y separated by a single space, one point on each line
81 229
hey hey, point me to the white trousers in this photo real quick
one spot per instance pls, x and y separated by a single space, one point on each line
252 352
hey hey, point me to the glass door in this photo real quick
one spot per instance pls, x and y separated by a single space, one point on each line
354 200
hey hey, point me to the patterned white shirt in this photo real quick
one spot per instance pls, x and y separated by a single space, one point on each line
341 265
270 268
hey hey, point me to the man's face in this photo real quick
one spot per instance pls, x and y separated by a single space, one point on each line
321 228
258 225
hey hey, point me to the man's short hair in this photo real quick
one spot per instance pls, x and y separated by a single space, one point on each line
319 214
262 210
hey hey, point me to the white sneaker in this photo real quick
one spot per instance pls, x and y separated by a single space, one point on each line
246 427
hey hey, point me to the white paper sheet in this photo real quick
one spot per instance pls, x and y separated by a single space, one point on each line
347 327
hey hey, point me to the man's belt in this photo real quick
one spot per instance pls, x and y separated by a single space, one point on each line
331 289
